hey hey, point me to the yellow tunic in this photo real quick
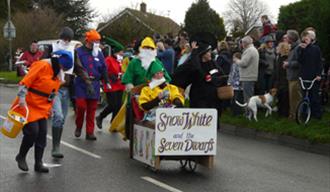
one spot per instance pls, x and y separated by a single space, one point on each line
148 94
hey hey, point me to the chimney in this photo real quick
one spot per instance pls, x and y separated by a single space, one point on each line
143 7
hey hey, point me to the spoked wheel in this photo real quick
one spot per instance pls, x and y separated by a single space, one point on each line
183 163
303 113
192 165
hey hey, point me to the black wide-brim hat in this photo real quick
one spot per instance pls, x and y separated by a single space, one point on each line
205 41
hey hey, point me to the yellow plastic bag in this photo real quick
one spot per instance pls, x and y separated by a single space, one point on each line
118 123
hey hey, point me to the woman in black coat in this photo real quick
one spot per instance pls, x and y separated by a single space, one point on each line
201 72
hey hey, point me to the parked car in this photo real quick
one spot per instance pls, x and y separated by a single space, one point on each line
46 45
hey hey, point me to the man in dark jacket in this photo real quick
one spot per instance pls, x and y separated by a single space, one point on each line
309 59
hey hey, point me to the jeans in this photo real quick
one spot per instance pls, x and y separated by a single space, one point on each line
60 107
248 90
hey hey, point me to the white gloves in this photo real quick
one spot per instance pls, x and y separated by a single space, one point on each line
129 87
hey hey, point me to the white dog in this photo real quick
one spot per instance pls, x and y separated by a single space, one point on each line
264 101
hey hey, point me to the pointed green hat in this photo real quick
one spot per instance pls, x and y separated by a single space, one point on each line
115 45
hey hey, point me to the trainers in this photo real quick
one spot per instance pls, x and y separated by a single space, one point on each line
90 137
77 132
99 122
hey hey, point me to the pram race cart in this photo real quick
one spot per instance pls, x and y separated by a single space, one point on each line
186 135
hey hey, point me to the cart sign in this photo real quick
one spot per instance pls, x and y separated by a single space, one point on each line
186 131
144 145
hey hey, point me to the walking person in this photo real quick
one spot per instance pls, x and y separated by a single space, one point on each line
202 73
92 60
62 99
115 94
36 91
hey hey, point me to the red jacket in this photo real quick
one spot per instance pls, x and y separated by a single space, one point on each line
29 57
114 73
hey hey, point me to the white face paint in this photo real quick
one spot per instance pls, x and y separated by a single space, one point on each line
147 56
96 48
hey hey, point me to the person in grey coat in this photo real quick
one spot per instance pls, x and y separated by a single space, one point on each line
292 70
248 67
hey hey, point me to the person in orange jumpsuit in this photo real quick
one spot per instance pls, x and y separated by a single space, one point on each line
36 92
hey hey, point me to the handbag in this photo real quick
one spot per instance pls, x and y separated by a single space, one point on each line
225 92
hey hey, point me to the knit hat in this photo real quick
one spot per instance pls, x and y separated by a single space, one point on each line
64 58
115 45
148 42
66 33
92 35
155 68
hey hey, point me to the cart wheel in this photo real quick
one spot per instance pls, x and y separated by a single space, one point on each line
183 163
154 169
192 165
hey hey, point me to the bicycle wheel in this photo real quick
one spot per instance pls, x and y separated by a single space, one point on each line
303 112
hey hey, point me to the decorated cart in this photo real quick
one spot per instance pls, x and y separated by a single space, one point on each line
183 134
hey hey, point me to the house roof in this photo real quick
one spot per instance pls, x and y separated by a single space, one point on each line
155 23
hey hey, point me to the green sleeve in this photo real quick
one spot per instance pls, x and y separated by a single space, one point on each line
128 75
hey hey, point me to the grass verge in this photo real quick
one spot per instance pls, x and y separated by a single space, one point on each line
9 77
316 131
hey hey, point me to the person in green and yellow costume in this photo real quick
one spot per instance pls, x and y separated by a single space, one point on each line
137 72
159 92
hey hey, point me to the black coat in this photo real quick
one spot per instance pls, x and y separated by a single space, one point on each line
310 62
224 61
203 92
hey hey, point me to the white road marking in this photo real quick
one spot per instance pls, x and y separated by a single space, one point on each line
161 184
77 148
51 165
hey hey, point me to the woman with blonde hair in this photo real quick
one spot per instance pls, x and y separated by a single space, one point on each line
280 80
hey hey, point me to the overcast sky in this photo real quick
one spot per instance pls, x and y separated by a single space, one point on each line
175 9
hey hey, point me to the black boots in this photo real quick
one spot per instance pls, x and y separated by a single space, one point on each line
38 153
90 137
77 132
99 121
21 162
57 133
20 158
38 166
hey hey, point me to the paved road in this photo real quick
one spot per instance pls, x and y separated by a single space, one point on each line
241 165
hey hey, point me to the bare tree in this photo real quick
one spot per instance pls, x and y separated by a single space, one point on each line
244 14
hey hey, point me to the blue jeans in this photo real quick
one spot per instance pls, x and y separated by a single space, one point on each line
60 107
248 90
